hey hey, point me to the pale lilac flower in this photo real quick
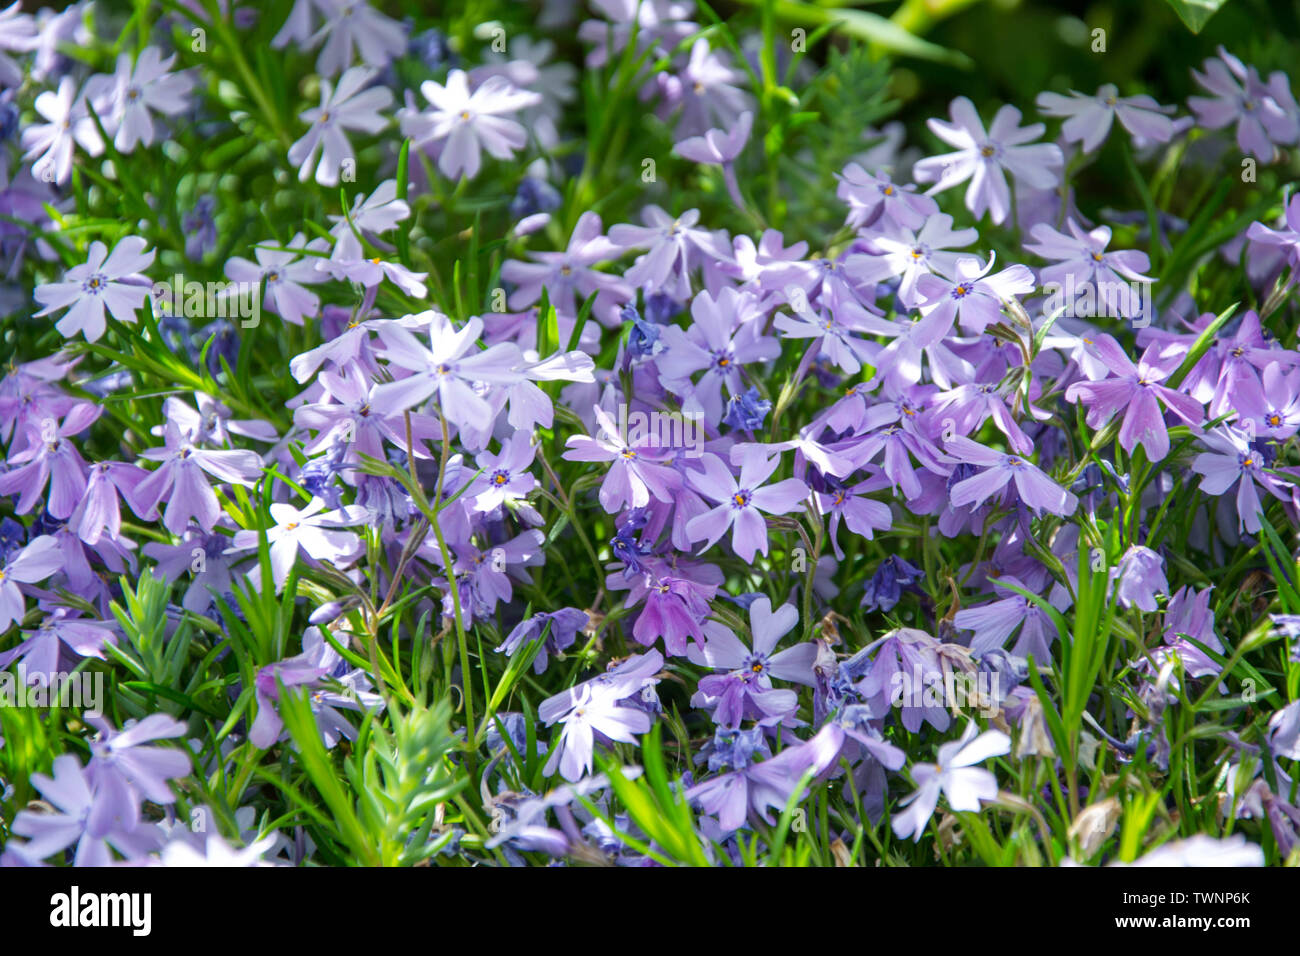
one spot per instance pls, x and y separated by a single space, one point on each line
180 480
742 502
352 28
1287 239
122 756
370 215
706 89
1085 267
36 562
675 248
1140 578
464 122
1265 113
450 368
50 144
352 106
114 281
141 89
911 254
51 458
599 710
42 650
986 158
638 469
1088 118
953 776
974 298
569 276
1036 490
871 197
217 852
561 628
994 622
17 35
95 818
505 476
285 272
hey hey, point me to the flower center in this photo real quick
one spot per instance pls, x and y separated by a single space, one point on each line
741 499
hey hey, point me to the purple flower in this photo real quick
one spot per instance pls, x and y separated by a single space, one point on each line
910 252
1231 460
1036 490
745 692
953 776
119 757
986 158
1083 264
51 458
352 106
676 602
1287 239
141 89
720 147
569 274
349 29
886 585
104 281
450 368
285 272
51 144
742 502
561 629
1265 113
465 123
94 817
40 652
752 792
635 473
1088 118
675 247
994 622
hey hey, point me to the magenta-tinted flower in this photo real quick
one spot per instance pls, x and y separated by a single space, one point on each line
1036 490
742 502
676 601
1265 113
354 105
1088 119
1136 391
105 281
986 157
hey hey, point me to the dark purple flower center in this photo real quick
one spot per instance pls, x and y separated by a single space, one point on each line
961 290
96 283
500 477
742 498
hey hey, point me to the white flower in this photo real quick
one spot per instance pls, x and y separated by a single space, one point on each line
964 785
113 281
